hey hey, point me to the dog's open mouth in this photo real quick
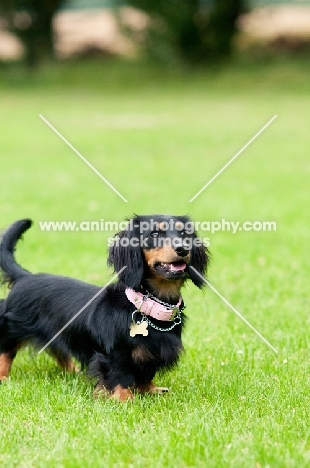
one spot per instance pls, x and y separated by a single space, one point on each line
173 267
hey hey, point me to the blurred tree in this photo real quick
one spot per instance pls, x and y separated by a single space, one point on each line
31 21
199 30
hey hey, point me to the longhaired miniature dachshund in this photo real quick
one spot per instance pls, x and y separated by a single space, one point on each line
130 329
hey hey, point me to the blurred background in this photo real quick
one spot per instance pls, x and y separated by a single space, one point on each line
188 31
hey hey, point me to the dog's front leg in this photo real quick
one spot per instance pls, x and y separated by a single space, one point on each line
114 377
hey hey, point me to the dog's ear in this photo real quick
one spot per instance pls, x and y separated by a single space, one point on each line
126 252
198 263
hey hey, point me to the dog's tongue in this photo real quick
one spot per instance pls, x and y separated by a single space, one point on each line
177 266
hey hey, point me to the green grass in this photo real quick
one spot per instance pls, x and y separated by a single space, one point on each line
158 136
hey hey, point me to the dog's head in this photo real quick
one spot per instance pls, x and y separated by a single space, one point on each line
161 247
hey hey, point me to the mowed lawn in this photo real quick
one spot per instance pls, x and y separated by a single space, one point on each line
159 137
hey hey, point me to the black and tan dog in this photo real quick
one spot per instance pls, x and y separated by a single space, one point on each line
131 330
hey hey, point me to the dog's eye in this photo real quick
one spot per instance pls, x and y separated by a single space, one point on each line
154 234
182 233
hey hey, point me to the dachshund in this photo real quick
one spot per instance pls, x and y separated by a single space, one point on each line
123 333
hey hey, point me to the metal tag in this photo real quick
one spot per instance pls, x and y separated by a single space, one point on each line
139 328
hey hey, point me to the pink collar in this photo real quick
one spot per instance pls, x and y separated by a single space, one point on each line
148 306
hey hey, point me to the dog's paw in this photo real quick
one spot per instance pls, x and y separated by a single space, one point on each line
151 389
160 390
122 394
101 392
119 393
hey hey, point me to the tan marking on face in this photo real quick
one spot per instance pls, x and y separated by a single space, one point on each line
164 226
141 354
165 288
164 254
179 225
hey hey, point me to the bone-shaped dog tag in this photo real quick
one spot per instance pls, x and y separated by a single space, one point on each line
138 329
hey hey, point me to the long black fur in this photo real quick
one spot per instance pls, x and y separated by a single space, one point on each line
39 305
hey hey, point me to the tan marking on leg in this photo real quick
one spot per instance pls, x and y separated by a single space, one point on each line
6 361
122 394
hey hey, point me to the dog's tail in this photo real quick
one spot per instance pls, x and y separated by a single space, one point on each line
11 270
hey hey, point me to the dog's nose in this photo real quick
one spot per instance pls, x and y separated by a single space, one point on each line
181 251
